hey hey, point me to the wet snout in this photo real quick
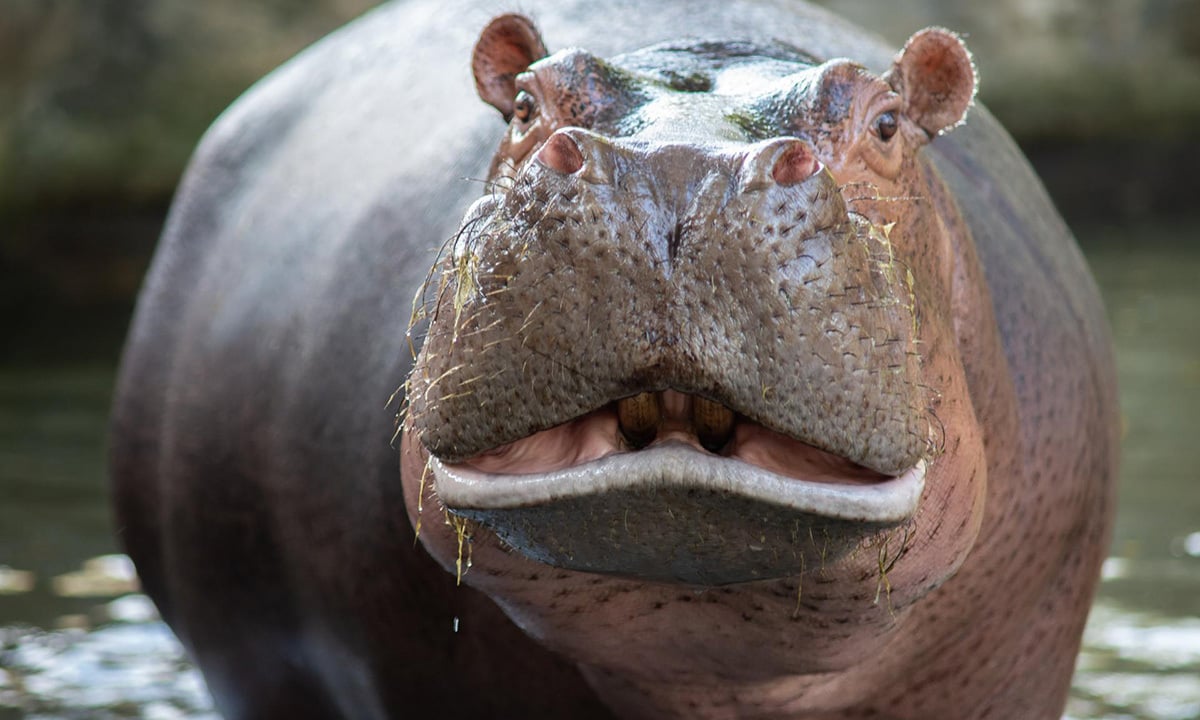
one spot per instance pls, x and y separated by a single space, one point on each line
679 183
622 268
650 332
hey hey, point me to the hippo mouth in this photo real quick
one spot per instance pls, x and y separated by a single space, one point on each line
672 487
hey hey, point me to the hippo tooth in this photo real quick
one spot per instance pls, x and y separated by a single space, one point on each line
639 417
713 422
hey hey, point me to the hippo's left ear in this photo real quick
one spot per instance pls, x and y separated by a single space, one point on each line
506 48
936 77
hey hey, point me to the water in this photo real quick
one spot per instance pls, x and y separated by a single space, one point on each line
79 642
1142 646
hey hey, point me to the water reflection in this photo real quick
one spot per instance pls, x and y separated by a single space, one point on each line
75 642
1137 666
14 582
117 671
102 576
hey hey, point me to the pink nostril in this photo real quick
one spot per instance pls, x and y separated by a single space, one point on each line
560 153
796 164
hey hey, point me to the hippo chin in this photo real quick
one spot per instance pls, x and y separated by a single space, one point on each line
762 381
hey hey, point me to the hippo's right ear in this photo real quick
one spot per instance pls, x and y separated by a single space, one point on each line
935 75
506 48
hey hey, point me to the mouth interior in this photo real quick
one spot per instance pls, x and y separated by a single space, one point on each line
652 419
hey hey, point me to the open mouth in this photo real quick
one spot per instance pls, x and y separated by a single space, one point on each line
676 488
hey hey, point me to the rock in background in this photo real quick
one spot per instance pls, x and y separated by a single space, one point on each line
101 104
102 101
108 97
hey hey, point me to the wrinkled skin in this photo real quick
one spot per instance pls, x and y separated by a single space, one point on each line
752 387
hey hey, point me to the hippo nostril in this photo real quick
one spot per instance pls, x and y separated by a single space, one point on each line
795 164
560 153
782 161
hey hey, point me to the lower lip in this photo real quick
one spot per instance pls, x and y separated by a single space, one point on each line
677 464
673 514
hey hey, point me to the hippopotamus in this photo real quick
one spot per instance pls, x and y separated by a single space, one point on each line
705 360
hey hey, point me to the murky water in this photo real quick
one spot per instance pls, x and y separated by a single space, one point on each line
1142 646
77 642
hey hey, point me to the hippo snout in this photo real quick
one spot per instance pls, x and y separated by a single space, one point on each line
732 272
677 327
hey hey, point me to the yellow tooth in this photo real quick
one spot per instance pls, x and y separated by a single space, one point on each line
713 422
639 417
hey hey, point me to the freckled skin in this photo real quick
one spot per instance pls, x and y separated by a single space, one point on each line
258 496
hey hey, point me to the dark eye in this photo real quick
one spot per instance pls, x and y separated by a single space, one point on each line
524 106
886 125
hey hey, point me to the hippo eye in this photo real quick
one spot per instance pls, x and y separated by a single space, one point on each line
524 106
886 126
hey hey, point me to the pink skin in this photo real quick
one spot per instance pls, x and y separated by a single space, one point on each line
561 154
597 435
797 164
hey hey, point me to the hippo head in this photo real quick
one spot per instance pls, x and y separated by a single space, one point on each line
692 360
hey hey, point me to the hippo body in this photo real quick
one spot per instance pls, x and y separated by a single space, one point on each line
258 493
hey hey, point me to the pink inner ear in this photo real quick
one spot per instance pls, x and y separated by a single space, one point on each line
937 79
506 48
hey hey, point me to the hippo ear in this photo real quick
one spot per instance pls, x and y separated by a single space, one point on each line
506 48
936 77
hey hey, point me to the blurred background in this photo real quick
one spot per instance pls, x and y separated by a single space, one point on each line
102 101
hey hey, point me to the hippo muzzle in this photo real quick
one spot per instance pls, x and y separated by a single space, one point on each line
643 423
668 347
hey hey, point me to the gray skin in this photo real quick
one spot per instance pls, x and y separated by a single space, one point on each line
258 494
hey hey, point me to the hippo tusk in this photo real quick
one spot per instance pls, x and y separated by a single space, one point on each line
639 417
